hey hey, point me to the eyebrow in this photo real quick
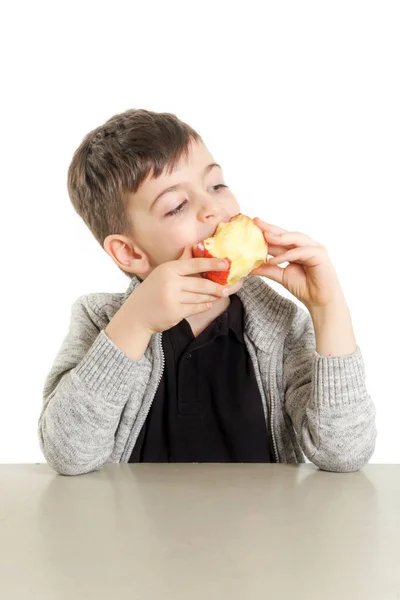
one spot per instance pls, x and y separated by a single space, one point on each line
178 185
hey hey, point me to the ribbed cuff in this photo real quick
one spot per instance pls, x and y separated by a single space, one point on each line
108 371
339 379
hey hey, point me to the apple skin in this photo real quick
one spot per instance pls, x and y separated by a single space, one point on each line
222 277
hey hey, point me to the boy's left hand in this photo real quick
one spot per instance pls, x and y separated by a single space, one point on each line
310 276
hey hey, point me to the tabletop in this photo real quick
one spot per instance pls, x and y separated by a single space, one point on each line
196 531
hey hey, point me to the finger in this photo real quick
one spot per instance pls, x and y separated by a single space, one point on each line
308 255
201 265
193 298
195 309
187 253
201 285
268 226
206 286
271 272
294 238
235 287
276 250
272 252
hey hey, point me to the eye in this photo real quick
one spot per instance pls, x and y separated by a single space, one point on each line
180 208
176 210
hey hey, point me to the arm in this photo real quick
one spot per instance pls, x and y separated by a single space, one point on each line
333 328
326 399
85 392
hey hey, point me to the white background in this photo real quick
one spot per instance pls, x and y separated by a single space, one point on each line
299 103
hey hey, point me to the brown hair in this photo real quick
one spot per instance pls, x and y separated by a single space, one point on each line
114 159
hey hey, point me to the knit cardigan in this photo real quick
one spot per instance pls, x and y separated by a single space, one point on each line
96 398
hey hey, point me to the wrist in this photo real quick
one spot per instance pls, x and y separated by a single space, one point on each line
333 329
336 304
129 334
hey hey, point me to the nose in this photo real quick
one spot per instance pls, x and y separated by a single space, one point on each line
213 219
211 210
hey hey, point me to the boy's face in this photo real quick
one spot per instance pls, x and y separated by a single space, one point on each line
166 222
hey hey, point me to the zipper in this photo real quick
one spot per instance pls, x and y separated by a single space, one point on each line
162 358
270 410
272 426
272 396
158 383
151 401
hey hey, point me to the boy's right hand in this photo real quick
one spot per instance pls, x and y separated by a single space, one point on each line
174 291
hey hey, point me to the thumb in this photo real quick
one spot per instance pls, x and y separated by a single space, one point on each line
271 271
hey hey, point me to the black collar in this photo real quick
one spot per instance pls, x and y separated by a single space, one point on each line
232 318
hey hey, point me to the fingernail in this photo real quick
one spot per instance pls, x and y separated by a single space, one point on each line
222 263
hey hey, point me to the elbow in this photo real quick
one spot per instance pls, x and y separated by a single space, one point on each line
64 464
347 460
64 468
340 465
64 460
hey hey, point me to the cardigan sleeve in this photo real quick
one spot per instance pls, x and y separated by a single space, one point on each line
84 395
327 400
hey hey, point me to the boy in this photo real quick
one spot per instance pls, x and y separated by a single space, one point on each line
176 369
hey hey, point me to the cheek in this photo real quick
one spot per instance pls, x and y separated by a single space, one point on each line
169 244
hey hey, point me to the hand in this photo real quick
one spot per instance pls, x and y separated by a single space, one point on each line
310 276
169 294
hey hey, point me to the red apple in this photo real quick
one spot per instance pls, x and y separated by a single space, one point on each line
240 242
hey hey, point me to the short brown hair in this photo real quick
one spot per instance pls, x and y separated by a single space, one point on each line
114 159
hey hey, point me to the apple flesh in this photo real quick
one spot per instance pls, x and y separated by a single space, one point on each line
240 242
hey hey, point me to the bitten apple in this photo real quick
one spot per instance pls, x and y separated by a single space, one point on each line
240 242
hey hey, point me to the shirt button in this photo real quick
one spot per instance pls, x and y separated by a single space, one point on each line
188 356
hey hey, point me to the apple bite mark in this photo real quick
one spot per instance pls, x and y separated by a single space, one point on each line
221 277
240 242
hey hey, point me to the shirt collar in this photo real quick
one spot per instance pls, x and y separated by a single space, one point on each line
234 317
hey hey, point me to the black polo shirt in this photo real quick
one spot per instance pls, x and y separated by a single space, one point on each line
207 407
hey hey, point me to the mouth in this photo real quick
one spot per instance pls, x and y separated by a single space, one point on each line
224 220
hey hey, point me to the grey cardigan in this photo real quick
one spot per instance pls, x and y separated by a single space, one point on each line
96 398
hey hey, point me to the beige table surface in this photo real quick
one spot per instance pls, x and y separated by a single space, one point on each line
200 531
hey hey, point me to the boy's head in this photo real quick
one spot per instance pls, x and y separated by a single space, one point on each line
119 171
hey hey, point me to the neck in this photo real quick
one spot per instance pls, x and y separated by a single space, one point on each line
199 322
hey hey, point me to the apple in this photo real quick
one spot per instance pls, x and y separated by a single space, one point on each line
240 242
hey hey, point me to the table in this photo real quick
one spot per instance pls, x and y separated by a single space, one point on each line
200 531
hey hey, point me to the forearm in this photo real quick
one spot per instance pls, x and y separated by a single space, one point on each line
127 333
333 329
83 406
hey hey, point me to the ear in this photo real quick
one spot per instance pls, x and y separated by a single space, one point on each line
126 255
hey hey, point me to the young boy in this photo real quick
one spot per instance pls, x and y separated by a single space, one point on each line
176 369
